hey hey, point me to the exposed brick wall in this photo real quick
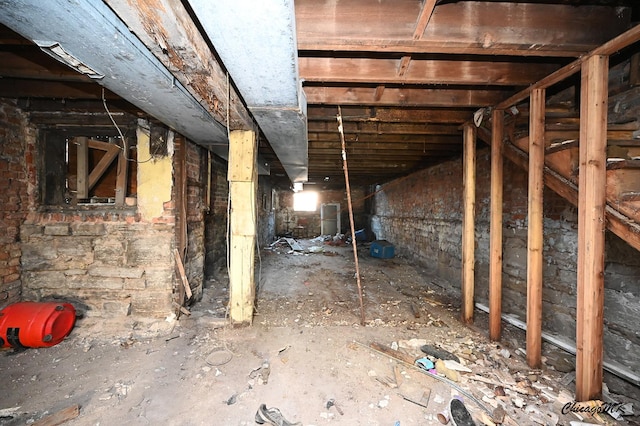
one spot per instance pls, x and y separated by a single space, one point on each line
216 221
266 212
422 215
17 141
196 209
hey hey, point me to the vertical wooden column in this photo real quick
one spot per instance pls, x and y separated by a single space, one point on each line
535 228
82 173
468 223
591 227
495 237
122 173
242 177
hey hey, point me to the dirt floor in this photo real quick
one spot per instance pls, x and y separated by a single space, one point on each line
305 349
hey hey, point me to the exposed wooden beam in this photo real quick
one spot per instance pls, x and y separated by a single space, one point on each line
391 115
423 19
423 71
530 31
402 96
591 226
169 32
25 88
365 139
377 127
441 47
535 238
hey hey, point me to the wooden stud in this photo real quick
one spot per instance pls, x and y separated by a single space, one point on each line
495 239
111 153
242 192
591 227
82 172
535 231
122 174
468 225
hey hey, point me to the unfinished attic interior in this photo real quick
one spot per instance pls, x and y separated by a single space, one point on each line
237 213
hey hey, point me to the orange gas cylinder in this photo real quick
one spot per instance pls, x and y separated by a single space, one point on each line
35 324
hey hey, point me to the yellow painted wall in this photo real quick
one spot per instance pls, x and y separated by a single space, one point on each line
155 177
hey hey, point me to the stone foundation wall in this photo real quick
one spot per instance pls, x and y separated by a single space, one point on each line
108 264
422 215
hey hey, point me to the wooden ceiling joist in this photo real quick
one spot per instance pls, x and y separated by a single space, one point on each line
422 71
402 96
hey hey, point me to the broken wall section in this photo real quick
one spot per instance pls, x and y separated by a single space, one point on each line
17 174
110 261
422 216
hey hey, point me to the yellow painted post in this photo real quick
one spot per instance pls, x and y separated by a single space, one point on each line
242 175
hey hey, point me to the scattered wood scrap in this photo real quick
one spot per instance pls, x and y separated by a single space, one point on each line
393 353
60 417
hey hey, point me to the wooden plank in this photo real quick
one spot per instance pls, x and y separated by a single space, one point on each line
495 237
59 417
561 146
242 193
535 229
591 226
422 71
241 165
383 45
295 246
455 27
182 274
405 96
82 172
393 353
617 164
122 174
468 225
112 152
423 19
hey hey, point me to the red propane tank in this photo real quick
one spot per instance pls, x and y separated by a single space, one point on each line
35 324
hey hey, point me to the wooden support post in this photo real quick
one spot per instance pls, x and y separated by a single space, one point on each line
495 238
82 171
468 224
591 227
242 177
535 231
122 176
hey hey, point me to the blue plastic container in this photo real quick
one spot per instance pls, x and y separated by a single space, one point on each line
382 249
361 235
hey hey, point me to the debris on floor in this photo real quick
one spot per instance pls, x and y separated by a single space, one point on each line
306 330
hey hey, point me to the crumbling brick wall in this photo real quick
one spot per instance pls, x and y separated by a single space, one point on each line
422 215
17 140
197 173
216 222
